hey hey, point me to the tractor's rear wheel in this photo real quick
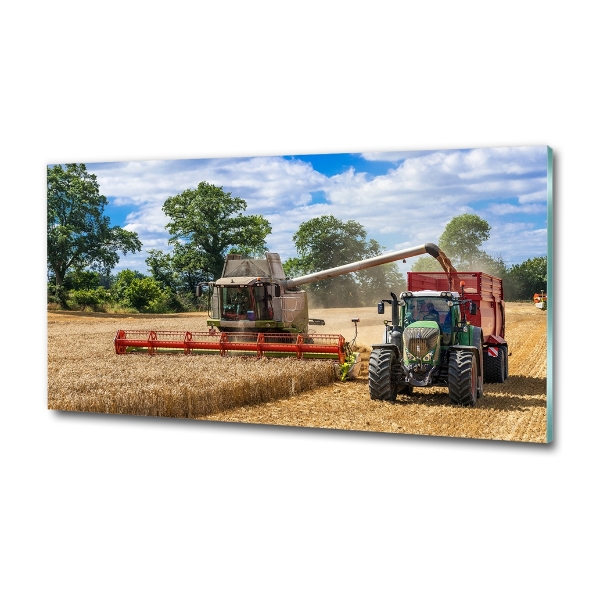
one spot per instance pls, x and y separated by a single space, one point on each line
462 378
381 363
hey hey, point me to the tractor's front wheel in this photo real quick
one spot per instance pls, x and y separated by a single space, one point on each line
463 378
381 364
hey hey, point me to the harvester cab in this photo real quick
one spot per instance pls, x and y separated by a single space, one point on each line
251 296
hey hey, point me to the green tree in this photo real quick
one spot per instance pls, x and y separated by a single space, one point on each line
161 266
522 281
79 235
463 237
206 223
190 266
426 263
178 273
326 242
461 241
82 280
376 283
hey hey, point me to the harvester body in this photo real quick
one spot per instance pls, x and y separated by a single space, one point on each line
445 331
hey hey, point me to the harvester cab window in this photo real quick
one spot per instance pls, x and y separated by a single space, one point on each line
264 303
236 303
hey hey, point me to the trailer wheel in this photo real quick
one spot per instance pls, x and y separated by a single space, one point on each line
494 367
381 364
462 378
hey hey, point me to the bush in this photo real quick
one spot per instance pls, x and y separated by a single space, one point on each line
146 295
90 298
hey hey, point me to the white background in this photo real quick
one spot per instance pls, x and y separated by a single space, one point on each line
96 506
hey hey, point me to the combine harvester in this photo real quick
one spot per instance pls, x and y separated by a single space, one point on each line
256 310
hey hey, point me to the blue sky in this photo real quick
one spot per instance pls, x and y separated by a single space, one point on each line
403 199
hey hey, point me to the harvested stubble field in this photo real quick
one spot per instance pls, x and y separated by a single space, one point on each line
84 374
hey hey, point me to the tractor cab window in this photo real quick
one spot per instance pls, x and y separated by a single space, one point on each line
236 303
429 309
411 312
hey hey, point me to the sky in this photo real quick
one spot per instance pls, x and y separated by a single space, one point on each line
403 199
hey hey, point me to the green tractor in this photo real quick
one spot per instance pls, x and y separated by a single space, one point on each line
429 342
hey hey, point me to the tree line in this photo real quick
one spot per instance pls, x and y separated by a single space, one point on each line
207 223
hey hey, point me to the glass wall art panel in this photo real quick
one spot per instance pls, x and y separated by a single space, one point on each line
404 292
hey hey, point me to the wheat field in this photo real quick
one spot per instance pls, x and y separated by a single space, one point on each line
84 374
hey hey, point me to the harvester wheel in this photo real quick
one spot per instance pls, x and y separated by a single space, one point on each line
381 386
462 378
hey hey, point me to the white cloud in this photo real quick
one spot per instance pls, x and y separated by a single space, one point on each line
511 209
538 196
409 205
394 157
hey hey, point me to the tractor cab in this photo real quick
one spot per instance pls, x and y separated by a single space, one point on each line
433 307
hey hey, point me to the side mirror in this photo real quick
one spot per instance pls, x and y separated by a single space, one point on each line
198 291
380 308
473 308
